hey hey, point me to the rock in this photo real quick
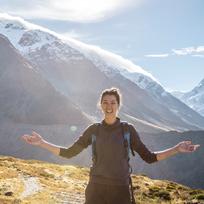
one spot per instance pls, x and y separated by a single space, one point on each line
9 193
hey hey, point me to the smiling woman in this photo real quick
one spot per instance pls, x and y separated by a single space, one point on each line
111 141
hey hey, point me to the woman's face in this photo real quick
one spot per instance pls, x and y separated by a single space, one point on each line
109 106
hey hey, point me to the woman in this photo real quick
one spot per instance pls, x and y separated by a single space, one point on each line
109 174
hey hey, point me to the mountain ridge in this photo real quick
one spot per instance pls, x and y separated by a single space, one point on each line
55 60
194 98
24 100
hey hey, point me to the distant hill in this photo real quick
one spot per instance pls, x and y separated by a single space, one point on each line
36 182
187 168
193 98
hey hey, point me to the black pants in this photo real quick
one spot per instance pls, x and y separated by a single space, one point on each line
107 194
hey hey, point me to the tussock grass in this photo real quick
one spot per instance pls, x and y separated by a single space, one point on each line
53 184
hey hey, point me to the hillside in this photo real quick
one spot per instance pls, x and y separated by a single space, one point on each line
37 182
29 98
80 72
182 168
193 98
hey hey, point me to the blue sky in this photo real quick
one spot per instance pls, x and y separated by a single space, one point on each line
165 37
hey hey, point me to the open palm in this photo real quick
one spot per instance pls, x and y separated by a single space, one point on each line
186 146
34 139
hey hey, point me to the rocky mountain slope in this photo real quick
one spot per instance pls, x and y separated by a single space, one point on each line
80 72
36 182
194 98
25 97
182 168
28 102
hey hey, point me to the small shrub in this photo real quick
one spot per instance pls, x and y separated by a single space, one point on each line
164 195
154 189
199 197
171 186
136 187
194 192
158 192
46 175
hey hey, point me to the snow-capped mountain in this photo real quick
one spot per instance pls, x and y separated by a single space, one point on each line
194 98
26 97
177 94
81 71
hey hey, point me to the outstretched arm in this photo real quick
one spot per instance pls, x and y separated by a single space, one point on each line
37 140
68 152
182 147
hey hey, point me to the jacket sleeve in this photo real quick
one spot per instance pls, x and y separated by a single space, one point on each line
81 143
140 148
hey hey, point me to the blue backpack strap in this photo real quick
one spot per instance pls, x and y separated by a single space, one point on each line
93 140
127 143
127 139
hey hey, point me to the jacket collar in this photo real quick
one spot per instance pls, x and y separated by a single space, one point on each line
112 126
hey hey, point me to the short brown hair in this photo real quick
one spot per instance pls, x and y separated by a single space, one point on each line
112 91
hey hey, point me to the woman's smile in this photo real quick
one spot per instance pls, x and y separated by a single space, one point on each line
109 111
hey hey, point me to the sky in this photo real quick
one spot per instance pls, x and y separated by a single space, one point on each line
164 37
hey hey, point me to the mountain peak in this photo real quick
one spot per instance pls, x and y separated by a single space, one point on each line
201 83
194 98
199 88
20 32
60 61
23 34
16 23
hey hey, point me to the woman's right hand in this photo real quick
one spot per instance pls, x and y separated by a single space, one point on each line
34 139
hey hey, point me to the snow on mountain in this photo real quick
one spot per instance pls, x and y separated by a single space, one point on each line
178 94
37 44
194 98
28 37
14 28
25 99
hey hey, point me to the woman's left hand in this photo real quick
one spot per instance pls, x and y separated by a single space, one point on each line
186 146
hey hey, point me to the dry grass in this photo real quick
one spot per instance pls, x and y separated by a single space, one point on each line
44 183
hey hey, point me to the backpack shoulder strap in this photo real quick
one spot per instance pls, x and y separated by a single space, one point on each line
127 139
127 143
93 140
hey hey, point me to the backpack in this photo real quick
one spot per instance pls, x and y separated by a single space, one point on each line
127 146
